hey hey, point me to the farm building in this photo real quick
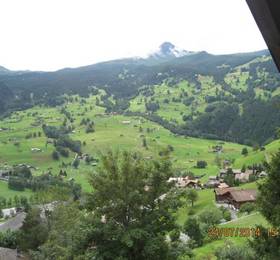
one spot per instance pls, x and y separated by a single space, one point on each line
235 197
222 194
243 176
213 182
239 197
185 182
238 174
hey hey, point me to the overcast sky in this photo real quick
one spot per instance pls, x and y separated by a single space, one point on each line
53 34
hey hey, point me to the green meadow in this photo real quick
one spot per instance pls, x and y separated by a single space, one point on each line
170 99
207 251
116 132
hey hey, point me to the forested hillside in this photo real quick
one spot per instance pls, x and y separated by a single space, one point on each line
231 97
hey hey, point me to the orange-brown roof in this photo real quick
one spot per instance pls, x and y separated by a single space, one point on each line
223 191
243 195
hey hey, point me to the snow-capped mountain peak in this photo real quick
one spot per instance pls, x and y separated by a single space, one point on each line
169 50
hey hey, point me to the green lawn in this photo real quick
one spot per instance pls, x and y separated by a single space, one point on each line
206 200
258 156
110 133
7 193
249 221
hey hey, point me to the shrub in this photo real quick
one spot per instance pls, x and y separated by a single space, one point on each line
55 155
63 151
227 215
231 251
16 183
247 207
252 177
244 151
8 239
201 164
89 129
191 212
211 217
192 228
76 163
174 234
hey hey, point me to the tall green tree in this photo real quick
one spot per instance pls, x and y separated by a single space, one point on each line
133 208
191 196
267 243
244 151
192 229
64 225
34 231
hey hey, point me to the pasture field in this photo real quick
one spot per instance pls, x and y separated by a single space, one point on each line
255 157
206 200
179 100
249 221
112 131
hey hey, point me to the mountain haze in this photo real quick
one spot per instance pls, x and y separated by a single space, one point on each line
216 94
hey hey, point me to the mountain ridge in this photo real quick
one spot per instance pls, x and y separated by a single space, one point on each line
166 52
217 87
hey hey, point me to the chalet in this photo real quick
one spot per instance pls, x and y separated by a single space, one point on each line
183 182
213 182
238 174
243 176
223 172
222 195
235 197
239 197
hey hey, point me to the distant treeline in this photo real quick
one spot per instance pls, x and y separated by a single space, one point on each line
256 124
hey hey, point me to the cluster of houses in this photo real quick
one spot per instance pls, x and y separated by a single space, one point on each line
223 193
242 177
186 182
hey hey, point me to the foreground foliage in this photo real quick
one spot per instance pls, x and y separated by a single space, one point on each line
267 245
128 215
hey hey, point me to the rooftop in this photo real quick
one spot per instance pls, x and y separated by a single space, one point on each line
244 195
